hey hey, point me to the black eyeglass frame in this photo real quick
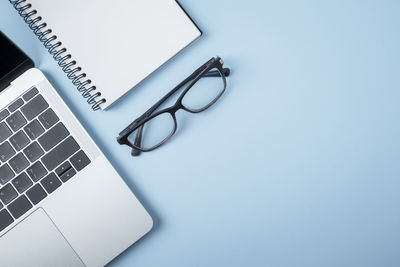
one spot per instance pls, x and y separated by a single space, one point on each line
138 124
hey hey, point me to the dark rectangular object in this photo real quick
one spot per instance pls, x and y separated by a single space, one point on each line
6 174
5 219
67 175
5 132
60 153
22 182
62 168
14 62
80 160
19 207
7 194
53 136
14 106
48 118
36 194
36 171
34 129
31 93
50 183
18 163
6 151
34 107
33 152
3 114
16 121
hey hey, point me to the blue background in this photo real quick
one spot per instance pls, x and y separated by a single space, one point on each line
296 165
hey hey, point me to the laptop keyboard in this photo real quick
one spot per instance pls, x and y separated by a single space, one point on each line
37 153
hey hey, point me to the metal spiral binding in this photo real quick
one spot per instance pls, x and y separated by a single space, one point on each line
59 53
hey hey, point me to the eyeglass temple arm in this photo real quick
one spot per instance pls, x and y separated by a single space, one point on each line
138 138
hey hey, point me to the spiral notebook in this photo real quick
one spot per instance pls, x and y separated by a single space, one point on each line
107 47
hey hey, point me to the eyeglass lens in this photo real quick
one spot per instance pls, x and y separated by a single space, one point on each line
204 92
155 131
200 96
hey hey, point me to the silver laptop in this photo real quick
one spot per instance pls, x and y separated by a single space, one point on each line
61 201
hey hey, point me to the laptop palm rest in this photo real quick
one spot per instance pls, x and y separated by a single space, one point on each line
36 241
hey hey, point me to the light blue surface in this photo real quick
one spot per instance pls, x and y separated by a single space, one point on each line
296 165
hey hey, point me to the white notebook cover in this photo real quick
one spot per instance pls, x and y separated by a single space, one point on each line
118 43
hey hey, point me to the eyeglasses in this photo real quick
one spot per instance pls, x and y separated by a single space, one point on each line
153 129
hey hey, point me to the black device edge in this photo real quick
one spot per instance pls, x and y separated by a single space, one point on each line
187 14
6 80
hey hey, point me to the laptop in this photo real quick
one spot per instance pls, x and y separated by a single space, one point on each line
61 201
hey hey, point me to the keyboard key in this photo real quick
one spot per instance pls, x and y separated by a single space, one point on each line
33 152
7 194
60 153
80 160
34 129
16 121
36 171
14 106
5 132
53 136
6 174
31 93
48 118
19 207
22 182
34 107
19 140
5 219
67 175
3 114
62 168
36 194
6 151
50 182
18 163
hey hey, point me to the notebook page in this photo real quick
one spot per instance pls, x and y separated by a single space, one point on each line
118 43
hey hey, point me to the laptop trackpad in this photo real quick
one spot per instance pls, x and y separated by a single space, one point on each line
37 242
